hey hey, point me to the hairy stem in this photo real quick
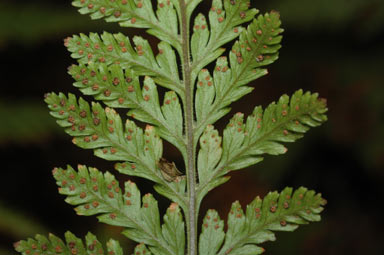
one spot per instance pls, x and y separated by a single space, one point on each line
188 116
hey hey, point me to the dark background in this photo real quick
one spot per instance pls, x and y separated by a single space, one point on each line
334 47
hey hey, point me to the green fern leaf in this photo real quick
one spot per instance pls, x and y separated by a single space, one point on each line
276 212
212 234
257 46
224 24
122 90
209 154
136 13
173 229
141 249
102 130
72 245
96 194
245 143
117 49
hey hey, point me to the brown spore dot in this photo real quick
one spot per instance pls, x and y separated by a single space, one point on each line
133 166
83 180
83 114
110 194
242 15
101 59
113 151
259 32
284 113
96 121
286 205
112 216
131 88
167 101
58 249
273 208
117 14
86 206
87 139
285 132
283 223
107 93
95 188
111 129
81 52
128 202
124 2
218 11
90 6
221 19
146 97
95 87
116 81
145 205
83 194
133 20
102 10
139 4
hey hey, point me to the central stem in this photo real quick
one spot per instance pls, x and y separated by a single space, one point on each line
188 117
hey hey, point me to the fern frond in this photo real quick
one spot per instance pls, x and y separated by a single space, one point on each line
96 194
212 233
121 89
257 46
244 144
136 13
72 245
117 49
102 130
225 17
276 212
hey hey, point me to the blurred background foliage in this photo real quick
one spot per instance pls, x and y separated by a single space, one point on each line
334 47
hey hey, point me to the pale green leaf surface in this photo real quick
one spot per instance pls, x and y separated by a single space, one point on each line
136 13
212 234
141 249
102 130
276 212
121 89
257 46
95 193
72 245
225 16
173 229
209 153
244 144
117 49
